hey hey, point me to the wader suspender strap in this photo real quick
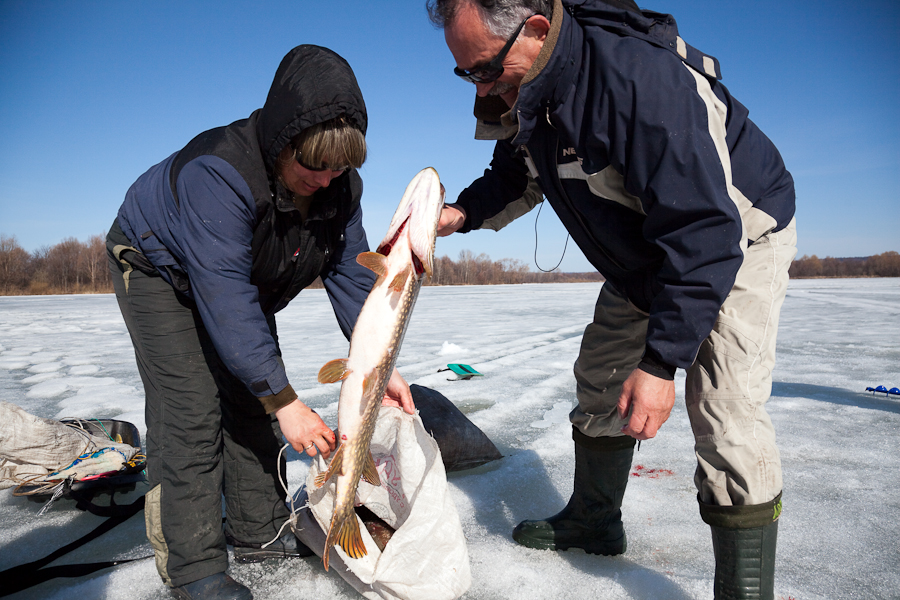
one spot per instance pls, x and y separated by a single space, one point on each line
30 574
117 252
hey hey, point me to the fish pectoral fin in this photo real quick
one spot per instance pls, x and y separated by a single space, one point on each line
370 471
377 263
370 382
334 371
399 282
334 467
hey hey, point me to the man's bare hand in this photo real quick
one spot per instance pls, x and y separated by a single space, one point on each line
304 429
397 394
452 218
649 399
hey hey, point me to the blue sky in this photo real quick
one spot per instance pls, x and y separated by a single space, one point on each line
93 93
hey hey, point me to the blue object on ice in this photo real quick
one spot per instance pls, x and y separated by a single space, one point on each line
463 371
892 392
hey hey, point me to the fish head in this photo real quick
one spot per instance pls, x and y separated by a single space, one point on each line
417 216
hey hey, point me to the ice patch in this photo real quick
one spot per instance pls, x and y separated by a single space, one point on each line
557 415
104 398
84 370
448 349
50 367
40 378
39 357
13 364
48 389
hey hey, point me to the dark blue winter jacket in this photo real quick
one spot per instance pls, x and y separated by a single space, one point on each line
653 167
218 226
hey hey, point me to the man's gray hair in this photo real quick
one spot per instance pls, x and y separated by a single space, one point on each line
501 17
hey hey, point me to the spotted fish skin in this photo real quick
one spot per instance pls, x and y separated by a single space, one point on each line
404 258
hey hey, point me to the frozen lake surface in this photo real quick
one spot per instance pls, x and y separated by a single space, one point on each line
839 538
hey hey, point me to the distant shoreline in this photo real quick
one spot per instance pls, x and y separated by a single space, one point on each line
20 293
75 267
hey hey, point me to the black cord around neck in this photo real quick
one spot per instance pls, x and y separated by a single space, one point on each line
536 243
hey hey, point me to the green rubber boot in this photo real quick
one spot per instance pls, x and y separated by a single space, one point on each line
592 520
744 539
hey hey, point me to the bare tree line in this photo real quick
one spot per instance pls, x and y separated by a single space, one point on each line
69 267
469 269
880 265
75 267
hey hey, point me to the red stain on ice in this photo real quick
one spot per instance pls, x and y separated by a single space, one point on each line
642 471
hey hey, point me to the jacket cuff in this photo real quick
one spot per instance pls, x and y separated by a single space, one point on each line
273 402
467 224
652 364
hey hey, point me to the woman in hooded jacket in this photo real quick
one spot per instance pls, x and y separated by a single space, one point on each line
208 245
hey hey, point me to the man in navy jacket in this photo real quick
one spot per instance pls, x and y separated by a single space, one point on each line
685 207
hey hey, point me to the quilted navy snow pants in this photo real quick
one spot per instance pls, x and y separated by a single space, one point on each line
207 435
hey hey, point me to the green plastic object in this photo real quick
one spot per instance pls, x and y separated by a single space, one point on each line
464 371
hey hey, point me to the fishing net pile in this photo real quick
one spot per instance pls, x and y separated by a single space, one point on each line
38 455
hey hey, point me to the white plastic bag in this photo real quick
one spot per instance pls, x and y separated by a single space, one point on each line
426 558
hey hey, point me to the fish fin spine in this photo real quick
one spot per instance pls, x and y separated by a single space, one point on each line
399 282
377 263
334 371
334 466
370 382
370 471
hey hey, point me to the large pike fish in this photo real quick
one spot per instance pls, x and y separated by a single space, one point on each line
403 259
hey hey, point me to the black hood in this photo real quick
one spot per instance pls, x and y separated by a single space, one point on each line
312 85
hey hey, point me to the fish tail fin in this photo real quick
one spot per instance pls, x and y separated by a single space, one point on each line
334 371
344 532
370 472
399 282
377 263
335 466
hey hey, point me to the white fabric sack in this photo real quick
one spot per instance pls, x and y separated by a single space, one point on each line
427 557
32 448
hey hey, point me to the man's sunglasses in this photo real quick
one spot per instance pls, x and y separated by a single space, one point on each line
494 69
324 167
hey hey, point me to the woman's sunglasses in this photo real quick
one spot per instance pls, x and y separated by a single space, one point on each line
324 167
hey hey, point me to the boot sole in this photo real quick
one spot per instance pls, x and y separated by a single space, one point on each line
260 556
613 548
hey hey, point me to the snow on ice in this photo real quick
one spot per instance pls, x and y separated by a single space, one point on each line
839 538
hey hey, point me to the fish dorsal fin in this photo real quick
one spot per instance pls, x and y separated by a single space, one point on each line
334 371
334 467
399 282
377 263
370 472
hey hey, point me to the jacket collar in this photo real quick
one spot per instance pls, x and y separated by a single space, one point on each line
559 62
495 119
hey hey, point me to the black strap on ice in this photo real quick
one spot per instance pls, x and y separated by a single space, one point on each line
30 574
84 500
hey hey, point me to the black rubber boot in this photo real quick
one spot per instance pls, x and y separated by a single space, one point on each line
287 546
744 540
215 587
592 520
